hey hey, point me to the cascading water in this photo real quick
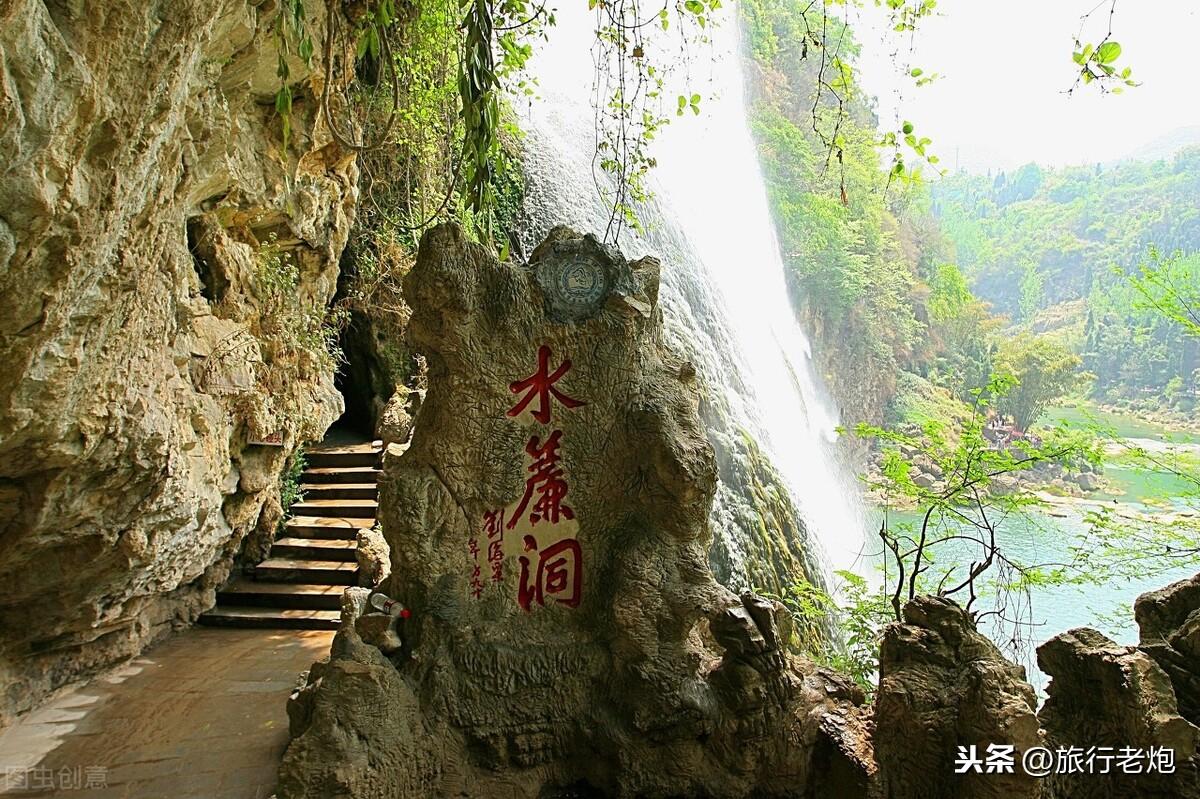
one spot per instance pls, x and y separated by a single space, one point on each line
724 297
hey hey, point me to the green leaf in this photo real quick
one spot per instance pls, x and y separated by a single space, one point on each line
373 42
283 100
1108 52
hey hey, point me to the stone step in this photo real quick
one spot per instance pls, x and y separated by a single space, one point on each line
306 570
342 457
314 549
361 446
343 508
271 618
298 596
326 527
349 474
313 491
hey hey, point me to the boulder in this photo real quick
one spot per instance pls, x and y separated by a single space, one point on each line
395 423
1114 697
380 630
926 481
357 731
1169 621
548 526
942 686
374 562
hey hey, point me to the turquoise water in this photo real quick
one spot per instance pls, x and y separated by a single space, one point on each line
1046 537
1122 425
1041 538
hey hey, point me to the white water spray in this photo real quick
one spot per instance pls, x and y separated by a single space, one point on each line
724 290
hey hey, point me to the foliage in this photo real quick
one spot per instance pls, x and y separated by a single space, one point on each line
966 510
638 52
1171 286
1056 249
860 612
289 484
1098 62
1043 372
1128 543
963 333
863 255
295 330
289 27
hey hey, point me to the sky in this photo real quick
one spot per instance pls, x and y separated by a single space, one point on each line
1006 66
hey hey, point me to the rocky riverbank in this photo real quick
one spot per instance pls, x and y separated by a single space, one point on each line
1054 481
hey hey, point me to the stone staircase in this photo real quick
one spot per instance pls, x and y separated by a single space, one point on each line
300 585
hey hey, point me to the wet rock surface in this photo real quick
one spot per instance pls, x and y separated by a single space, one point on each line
549 531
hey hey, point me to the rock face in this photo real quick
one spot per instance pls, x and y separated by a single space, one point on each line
942 686
1169 622
548 529
1106 695
155 249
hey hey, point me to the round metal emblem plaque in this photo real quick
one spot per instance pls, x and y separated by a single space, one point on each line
581 284
576 287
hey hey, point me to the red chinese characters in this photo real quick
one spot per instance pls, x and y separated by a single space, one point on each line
477 571
553 574
493 525
540 385
547 481
558 575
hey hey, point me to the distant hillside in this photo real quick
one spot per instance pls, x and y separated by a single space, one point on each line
1032 238
1165 146
1052 248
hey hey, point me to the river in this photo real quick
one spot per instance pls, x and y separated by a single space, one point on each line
1046 536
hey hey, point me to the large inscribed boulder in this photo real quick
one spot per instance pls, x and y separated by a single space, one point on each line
548 531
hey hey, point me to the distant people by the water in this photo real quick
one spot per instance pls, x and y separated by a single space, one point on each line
1000 432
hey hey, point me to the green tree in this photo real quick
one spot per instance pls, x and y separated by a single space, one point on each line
954 548
1131 542
1043 372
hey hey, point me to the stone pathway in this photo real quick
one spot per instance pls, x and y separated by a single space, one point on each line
199 716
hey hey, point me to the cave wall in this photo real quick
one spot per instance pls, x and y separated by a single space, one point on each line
143 190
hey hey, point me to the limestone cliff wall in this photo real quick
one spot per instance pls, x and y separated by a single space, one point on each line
154 244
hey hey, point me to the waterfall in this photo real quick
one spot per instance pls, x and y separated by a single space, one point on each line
724 296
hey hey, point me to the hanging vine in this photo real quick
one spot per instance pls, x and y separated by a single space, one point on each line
632 74
479 90
289 27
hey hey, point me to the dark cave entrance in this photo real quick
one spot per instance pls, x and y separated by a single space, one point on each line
363 377
357 379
